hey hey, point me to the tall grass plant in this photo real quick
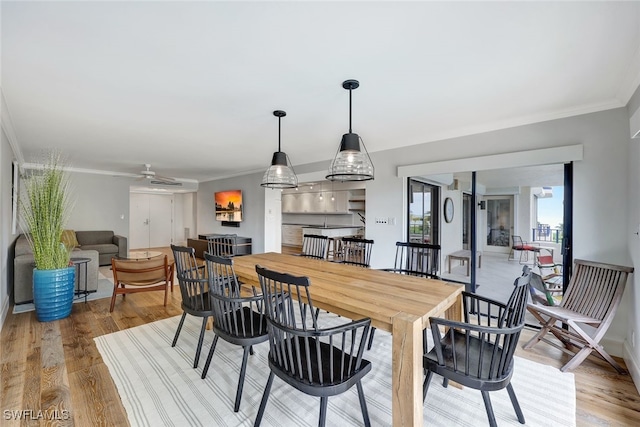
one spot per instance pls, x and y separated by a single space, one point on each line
45 206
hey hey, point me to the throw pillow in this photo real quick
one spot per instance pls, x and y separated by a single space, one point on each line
69 239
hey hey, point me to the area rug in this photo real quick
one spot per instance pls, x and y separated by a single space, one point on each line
105 290
158 386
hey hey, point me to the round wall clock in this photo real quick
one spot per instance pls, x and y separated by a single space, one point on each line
448 209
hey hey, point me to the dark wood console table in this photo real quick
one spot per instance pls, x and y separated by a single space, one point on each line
242 247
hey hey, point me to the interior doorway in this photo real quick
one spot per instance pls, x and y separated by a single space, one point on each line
151 220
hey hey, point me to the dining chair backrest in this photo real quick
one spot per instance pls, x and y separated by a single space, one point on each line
237 319
317 361
356 251
192 280
314 246
222 244
417 259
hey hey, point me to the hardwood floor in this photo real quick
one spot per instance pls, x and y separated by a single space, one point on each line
56 368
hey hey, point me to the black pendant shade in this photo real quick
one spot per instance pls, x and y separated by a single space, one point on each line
280 174
352 161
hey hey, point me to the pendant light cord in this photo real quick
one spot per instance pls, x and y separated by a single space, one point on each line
279 134
350 109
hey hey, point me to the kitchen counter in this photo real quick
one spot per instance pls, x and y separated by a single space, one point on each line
332 230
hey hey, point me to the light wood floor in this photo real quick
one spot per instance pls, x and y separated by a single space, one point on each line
56 366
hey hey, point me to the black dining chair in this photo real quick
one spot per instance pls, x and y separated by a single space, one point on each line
478 353
237 319
314 246
194 290
355 251
417 259
222 244
317 361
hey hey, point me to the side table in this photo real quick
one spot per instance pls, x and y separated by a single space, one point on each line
81 265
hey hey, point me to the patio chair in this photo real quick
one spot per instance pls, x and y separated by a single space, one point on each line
478 353
237 319
194 290
317 361
523 247
592 298
550 272
314 246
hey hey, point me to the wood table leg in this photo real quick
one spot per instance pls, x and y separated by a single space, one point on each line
406 383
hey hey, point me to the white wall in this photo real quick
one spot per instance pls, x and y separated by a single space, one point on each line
253 212
632 338
6 235
101 203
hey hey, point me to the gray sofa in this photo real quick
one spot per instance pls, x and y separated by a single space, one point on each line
99 246
106 243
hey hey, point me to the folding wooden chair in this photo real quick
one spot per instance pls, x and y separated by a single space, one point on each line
592 298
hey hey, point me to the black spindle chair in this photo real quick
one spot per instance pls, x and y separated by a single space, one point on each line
314 246
356 251
317 361
417 259
222 244
194 290
237 319
478 353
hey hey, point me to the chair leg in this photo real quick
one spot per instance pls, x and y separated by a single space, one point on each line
263 402
373 331
209 357
200 341
489 408
425 386
175 339
363 405
243 371
514 402
323 411
445 382
113 300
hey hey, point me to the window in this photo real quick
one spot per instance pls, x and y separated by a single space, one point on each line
423 214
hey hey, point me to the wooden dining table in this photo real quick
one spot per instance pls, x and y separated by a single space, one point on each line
396 303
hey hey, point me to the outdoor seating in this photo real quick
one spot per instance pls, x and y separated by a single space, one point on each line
592 298
550 272
523 247
478 353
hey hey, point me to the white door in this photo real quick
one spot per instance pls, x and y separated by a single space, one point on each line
151 220
161 220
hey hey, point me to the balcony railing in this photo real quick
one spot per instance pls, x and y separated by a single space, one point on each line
546 234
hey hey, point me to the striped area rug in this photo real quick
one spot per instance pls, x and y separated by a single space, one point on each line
158 386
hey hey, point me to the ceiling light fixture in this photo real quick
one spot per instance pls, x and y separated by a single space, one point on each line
350 163
280 174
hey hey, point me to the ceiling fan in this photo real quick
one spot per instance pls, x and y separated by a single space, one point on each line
152 176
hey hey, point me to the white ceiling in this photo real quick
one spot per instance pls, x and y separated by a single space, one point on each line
190 86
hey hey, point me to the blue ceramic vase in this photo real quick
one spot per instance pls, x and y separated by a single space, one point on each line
53 293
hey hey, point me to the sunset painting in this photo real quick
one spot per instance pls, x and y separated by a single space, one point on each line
228 205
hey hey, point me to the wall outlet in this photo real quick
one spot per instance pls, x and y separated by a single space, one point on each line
381 220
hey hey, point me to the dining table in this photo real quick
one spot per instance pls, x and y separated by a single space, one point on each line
396 303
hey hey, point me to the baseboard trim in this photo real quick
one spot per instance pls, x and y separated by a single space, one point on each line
633 365
5 311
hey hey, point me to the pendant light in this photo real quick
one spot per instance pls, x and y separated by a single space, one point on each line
351 163
280 174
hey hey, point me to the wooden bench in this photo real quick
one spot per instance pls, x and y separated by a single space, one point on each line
464 255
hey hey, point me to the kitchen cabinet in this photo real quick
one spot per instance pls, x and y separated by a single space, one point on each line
291 235
318 202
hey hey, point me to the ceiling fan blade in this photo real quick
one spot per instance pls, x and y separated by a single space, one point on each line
163 178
